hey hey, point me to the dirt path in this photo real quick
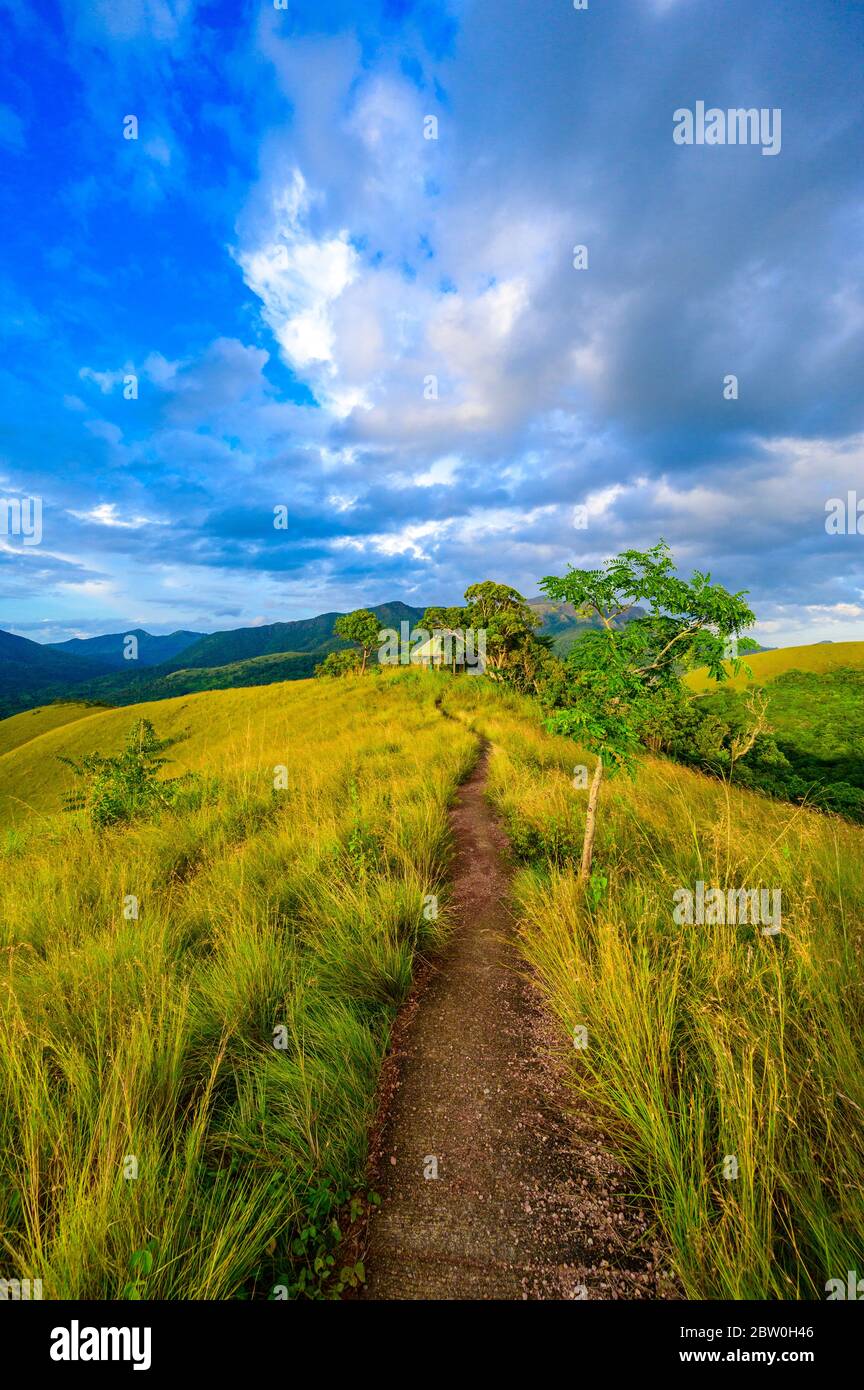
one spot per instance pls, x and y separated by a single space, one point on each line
527 1203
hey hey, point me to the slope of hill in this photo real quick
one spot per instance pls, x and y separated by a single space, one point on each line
30 672
230 1035
766 665
562 622
812 746
304 635
109 649
22 728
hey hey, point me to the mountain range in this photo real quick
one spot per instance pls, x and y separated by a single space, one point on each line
97 669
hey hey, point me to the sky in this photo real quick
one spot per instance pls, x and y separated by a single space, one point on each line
293 318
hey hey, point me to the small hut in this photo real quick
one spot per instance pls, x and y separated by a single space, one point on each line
448 648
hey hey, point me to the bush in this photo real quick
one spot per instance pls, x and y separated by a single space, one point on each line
124 787
339 664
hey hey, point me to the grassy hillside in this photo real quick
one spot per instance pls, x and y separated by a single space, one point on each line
813 750
234 729
258 670
203 1076
704 1042
766 666
295 915
21 728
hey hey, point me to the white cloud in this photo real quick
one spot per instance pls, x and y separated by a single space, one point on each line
298 277
105 514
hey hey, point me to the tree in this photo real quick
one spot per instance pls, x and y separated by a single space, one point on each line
621 677
128 785
508 622
363 629
339 664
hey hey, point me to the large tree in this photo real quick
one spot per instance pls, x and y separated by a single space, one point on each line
621 673
363 629
507 620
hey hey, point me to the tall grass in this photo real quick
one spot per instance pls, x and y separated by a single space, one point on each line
711 1049
200 1080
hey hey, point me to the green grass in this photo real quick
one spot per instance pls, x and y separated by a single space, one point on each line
149 1044
302 911
766 666
22 728
703 1041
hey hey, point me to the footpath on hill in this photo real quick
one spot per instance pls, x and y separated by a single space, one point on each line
491 1186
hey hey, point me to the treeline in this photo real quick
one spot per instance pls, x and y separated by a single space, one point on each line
621 688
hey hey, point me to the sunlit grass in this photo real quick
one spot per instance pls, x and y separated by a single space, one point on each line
225 1045
705 1043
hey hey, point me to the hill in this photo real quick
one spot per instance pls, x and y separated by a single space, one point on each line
23 728
237 657
812 746
109 649
767 665
59 672
28 672
230 1034
305 635
562 622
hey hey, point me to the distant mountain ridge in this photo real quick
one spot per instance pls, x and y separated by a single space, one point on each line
562 622
95 669
271 639
27 669
110 649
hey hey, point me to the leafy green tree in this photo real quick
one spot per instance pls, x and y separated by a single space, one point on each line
362 628
623 677
123 787
339 664
508 622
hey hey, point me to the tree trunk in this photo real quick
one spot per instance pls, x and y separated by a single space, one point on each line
363 667
590 822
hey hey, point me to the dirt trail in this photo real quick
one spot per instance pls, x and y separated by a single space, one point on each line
527 1203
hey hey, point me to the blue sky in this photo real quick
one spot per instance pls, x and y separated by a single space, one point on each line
283 261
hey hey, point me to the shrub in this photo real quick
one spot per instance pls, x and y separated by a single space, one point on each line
123 787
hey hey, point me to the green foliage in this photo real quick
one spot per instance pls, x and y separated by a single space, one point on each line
798 757
339 664
621 677
127 786
502 613
363 629
141 1267
309 1264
